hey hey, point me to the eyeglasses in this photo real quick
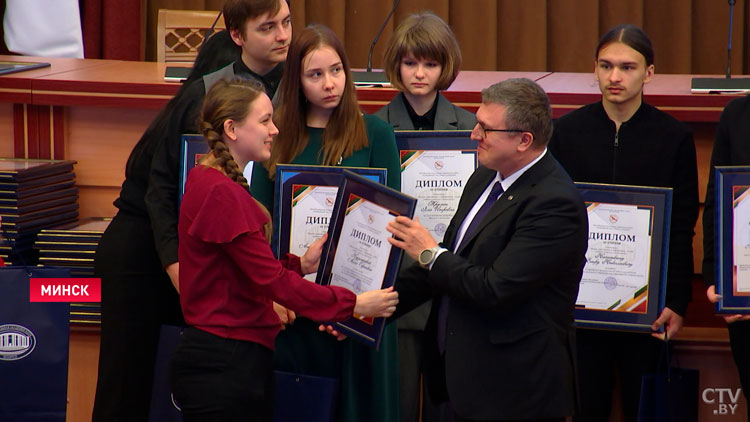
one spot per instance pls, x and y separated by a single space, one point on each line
484 131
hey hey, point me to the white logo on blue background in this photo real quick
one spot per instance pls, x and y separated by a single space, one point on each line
16 342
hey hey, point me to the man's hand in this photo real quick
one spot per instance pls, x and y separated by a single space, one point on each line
410 235
672 322
173 271
287 316
714 298
311 259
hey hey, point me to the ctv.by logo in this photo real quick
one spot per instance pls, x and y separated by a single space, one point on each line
724 399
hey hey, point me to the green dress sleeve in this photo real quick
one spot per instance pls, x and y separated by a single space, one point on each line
261 187
384 153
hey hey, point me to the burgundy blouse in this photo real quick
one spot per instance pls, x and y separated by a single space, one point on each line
228 275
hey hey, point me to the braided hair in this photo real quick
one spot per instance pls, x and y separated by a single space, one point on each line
229 100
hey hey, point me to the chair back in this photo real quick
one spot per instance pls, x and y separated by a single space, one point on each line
180 33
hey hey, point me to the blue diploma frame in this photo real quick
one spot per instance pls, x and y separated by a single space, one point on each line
430 140
732 188
659 201
292 181
192 149
366 330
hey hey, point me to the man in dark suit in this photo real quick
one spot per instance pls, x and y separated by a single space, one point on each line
505 279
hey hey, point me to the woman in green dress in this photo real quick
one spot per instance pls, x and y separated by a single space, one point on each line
320 124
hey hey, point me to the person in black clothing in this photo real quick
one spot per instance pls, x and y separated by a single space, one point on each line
731 148
137 296
137 255
622 140
263 29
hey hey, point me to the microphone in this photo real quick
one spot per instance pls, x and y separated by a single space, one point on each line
213 25
728 73
369 77
725 84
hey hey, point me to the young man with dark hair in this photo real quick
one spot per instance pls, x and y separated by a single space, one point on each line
623 140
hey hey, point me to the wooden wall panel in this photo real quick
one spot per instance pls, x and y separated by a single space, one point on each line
101 148
522 35
703 134
363 20
82 373
331 13
476 30
689 36
668 24
573 27
616 12
298 10
6 130
97 201
710 36
407 7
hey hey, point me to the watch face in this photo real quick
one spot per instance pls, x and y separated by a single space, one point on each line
425 256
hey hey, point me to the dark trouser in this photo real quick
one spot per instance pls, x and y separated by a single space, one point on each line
739 339
450 415
137 298
457 418
600 354
222 380
410 345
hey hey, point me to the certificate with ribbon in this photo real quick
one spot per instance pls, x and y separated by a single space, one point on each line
303 203
732 239
357 255
435 166
624 279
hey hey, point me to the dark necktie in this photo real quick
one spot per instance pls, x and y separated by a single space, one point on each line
497 190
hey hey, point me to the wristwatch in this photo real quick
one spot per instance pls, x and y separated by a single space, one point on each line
427 256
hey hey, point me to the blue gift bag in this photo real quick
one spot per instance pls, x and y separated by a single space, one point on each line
163 408
669 395
34 341
305 398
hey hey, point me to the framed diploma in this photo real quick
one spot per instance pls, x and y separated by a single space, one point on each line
192 150
732 234
303 203
435 167
624 280
357 255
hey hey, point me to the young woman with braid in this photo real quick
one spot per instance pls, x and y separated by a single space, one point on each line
321 124
222 369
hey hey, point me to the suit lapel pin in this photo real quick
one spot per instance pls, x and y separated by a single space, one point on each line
510 197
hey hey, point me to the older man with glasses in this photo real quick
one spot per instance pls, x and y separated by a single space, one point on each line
505 279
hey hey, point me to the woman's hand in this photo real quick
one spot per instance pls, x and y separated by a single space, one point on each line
287 316
714 298
377 303
173 271
310 260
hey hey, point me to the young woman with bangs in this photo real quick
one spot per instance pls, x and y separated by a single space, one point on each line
422 59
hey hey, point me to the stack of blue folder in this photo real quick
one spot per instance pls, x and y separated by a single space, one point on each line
74 247
34 194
